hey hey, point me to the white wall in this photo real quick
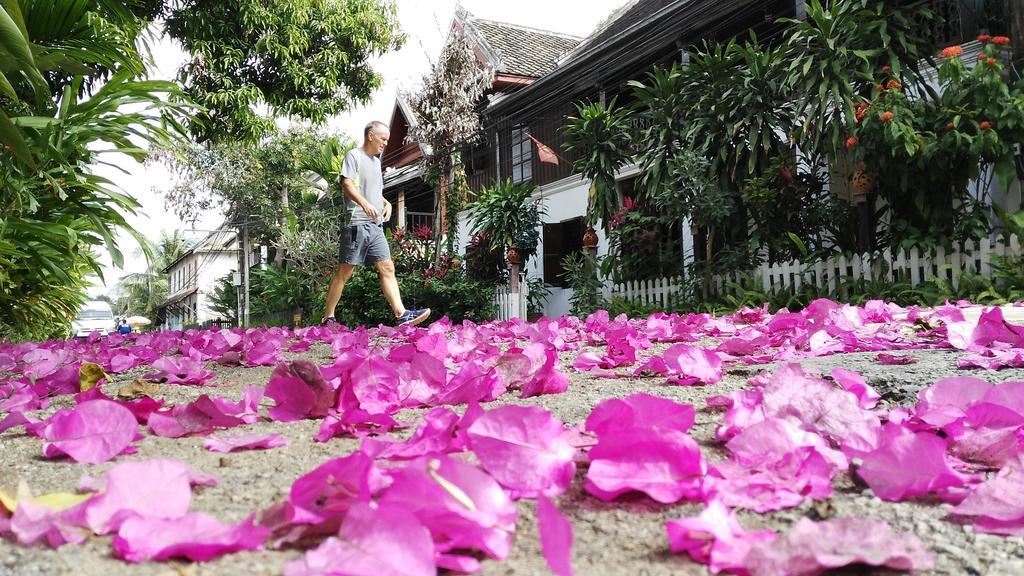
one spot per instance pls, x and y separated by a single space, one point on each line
216 267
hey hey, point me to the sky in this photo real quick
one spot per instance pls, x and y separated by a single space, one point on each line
425 23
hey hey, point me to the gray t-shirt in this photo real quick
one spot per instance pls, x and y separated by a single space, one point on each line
364 171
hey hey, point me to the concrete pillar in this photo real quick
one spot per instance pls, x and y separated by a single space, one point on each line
401 210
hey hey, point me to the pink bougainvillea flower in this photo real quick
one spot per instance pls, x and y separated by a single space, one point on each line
814 547
90 433
300 391
997 506
206 414
261 349
785 483
375 385
461 505
990 330
639 410
908 464
384 541
195 536
474 382
768 441
852 382
989 446
555 537
534 370
244 442
32 523
334 487
180 370
693 365
820 406
664 464
993 359
525 449
715 538
893 360
947 400
747 408
433 437
159 489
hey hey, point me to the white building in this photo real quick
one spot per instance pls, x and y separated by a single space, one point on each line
192 278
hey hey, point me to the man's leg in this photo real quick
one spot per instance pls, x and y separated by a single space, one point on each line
389 285
334 290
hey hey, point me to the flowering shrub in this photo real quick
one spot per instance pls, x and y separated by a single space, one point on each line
972 123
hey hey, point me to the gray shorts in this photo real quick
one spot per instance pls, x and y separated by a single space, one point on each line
362 244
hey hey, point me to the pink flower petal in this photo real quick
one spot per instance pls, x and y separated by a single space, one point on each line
196 536
385 541
852 382
244 442
893 360
997 506
158 489
693 365
907 465
461 505
434 437
334 487
555 537
813 547
640 410
715 538
92 432
664 464
525 449
300 391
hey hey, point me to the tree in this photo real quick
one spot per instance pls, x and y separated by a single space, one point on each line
143 292
54 126
309 59
446 113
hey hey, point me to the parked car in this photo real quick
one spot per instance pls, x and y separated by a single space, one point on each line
93 316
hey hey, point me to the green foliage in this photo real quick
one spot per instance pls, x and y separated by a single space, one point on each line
275 289
508 216
55 127
580 271
538 295
224 299
308 59
484 263
600 134
141 293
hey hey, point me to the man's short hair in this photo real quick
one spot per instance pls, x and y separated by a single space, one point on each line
372 126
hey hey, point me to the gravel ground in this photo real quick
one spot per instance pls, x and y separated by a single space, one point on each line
623 537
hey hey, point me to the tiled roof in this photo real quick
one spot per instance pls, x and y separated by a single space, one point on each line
520 50
631 13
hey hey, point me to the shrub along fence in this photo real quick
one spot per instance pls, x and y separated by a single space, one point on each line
914 266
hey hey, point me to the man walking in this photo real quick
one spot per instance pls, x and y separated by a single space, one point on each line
362 239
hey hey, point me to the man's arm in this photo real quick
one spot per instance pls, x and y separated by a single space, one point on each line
353 194
387 211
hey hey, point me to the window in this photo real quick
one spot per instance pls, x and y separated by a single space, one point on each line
522 154
560 240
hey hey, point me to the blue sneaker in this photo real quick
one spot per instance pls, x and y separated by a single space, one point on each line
414 317
328 321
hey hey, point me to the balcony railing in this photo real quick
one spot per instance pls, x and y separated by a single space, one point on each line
416 219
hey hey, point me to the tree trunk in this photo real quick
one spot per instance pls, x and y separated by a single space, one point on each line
707 263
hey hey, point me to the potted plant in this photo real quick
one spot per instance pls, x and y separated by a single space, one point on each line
509 218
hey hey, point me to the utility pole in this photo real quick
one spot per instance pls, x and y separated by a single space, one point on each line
245 276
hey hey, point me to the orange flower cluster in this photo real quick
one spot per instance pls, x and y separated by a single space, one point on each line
894 85
1001 40
951 51
991 62
860 109
984 38
887 116
985 125
851 142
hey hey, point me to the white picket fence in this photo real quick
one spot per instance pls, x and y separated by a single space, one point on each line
512 304
915 266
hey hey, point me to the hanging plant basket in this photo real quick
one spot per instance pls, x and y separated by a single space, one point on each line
514 256
861 183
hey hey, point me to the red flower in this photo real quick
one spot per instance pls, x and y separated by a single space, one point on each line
851 142
949 125
886 69
982 57
894 85
1001 40
421 232
984 38
887 116
985 125
880 88
991 62
951 52
860 114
